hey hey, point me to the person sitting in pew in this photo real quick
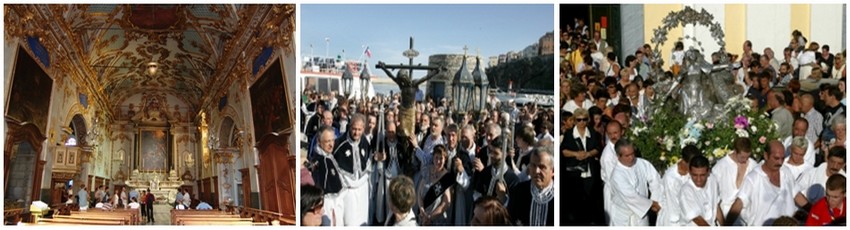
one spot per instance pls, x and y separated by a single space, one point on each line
134 203
204 206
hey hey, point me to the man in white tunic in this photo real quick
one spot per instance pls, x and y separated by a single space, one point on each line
608 160
354 157
674 178
633 179
767 193
795 162
812 182
801 125
729 172
698 197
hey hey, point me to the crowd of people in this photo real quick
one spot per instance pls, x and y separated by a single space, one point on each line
141 200
604 181
494 167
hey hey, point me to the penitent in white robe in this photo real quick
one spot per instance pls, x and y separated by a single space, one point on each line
763 202
607 161
631 187
725 172
698 202
356 199
670 213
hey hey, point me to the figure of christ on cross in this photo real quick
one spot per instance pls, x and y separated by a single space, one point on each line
408 87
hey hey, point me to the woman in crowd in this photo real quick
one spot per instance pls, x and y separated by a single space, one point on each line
434 196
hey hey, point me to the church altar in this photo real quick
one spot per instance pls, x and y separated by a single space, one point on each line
164 187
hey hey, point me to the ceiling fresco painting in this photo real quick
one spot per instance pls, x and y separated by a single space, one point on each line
198 50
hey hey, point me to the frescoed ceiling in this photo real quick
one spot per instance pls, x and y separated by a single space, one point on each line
199 49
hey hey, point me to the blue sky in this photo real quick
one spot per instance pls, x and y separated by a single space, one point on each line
437 29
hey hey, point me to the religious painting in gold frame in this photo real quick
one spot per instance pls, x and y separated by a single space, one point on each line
153 150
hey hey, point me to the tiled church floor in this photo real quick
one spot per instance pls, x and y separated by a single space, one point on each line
162 215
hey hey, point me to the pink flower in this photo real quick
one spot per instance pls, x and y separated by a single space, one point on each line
739 126
762 139
742 121
709 125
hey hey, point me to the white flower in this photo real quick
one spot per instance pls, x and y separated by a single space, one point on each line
753 128
717 139
699 126
742 133
707 143
710 158
669 143
662 158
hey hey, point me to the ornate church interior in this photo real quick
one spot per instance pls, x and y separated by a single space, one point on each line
188 106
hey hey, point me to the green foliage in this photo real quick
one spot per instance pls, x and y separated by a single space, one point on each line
662 135
533 73
656 136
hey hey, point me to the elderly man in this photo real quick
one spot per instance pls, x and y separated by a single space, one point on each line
532 202
632 180
731 170
778 113
433 139
813 117
698 198
327 177
767 193
608 160
327 120
812 182
460 165
353 155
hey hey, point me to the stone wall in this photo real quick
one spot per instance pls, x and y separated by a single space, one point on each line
452 62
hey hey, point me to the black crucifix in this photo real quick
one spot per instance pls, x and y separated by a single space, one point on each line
408 86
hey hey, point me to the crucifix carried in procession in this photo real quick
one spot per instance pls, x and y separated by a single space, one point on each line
408 86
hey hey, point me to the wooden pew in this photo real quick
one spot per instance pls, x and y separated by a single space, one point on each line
78 222
204 222
125 220
133 216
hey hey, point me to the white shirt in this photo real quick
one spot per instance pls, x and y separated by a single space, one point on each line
698 202
762 201
808 158
725 173
815 119
134 205
812 182
796 170
631 187
677 57
670 214
614 100
608 160
424 153
571 105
